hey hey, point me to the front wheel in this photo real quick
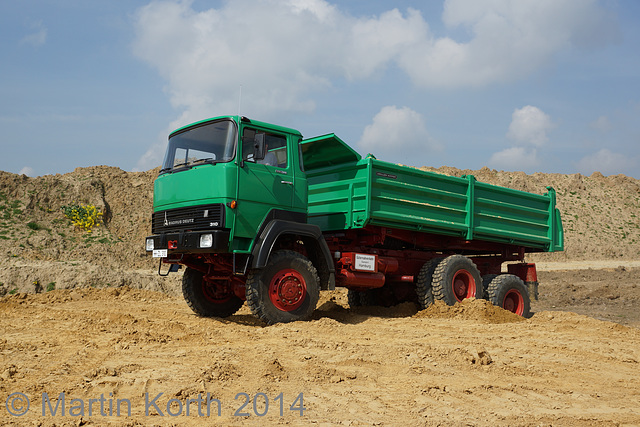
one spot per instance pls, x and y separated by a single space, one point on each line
209 298
286 290
509 292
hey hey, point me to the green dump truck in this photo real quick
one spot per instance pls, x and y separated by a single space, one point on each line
256 213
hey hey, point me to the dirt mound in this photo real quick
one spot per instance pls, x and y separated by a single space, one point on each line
34 227
470 309
40 248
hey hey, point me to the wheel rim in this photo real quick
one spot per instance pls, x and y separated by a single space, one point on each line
215 292
287 290
463 285
513 302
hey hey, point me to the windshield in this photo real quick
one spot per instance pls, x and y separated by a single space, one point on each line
212 142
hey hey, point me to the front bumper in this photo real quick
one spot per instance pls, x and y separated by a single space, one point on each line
189 242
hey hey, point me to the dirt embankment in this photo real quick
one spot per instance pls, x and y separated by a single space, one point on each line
40 248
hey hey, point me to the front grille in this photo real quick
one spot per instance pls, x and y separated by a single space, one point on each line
204 217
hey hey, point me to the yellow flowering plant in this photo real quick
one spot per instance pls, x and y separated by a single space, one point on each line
85 217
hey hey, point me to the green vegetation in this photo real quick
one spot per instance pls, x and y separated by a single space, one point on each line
51 286
85 217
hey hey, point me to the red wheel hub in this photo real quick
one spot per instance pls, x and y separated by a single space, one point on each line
287 290
463 285
513 302
216 292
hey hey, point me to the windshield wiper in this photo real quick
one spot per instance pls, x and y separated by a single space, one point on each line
207 160
210 160
180 164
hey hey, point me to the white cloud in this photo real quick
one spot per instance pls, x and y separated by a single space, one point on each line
515 158
607 163
397 133
508 40
38 37
528 131
529 126
602 124
27 170
283 52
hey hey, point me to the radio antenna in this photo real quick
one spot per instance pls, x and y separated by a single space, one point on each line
240 101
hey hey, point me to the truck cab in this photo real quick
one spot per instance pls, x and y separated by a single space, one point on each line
230 193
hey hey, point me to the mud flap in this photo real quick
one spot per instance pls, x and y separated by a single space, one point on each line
533 290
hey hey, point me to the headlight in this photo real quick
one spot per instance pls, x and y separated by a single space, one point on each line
149 244
206 240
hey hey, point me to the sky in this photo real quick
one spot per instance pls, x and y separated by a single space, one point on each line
528 85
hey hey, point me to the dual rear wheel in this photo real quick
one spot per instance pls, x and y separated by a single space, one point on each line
456 277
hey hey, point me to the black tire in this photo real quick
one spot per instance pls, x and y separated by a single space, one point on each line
205 299
285 290
486 279
370 297
509 292
423 283
456 278
353 297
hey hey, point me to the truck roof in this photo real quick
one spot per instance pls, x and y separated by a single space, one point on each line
238 119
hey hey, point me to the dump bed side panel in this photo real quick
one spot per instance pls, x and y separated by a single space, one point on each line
384 194
405 197
338 196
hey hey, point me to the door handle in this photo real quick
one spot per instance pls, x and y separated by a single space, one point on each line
286 182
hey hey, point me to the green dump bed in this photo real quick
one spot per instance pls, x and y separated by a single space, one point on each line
348 192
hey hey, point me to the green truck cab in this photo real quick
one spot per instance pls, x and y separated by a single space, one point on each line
257 213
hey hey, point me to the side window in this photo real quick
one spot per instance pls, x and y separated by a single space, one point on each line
275 147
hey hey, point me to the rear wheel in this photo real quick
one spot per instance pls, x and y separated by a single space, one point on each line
208 298
509 292
286 290
456 278
423 283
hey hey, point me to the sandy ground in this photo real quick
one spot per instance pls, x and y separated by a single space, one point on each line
471 364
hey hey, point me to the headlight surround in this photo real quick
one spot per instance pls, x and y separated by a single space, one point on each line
150 246
206 240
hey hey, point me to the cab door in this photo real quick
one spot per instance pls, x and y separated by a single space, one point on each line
265 186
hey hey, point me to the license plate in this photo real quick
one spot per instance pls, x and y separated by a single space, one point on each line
159 253
365 262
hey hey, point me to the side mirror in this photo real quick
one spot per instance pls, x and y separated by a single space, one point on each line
259 147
